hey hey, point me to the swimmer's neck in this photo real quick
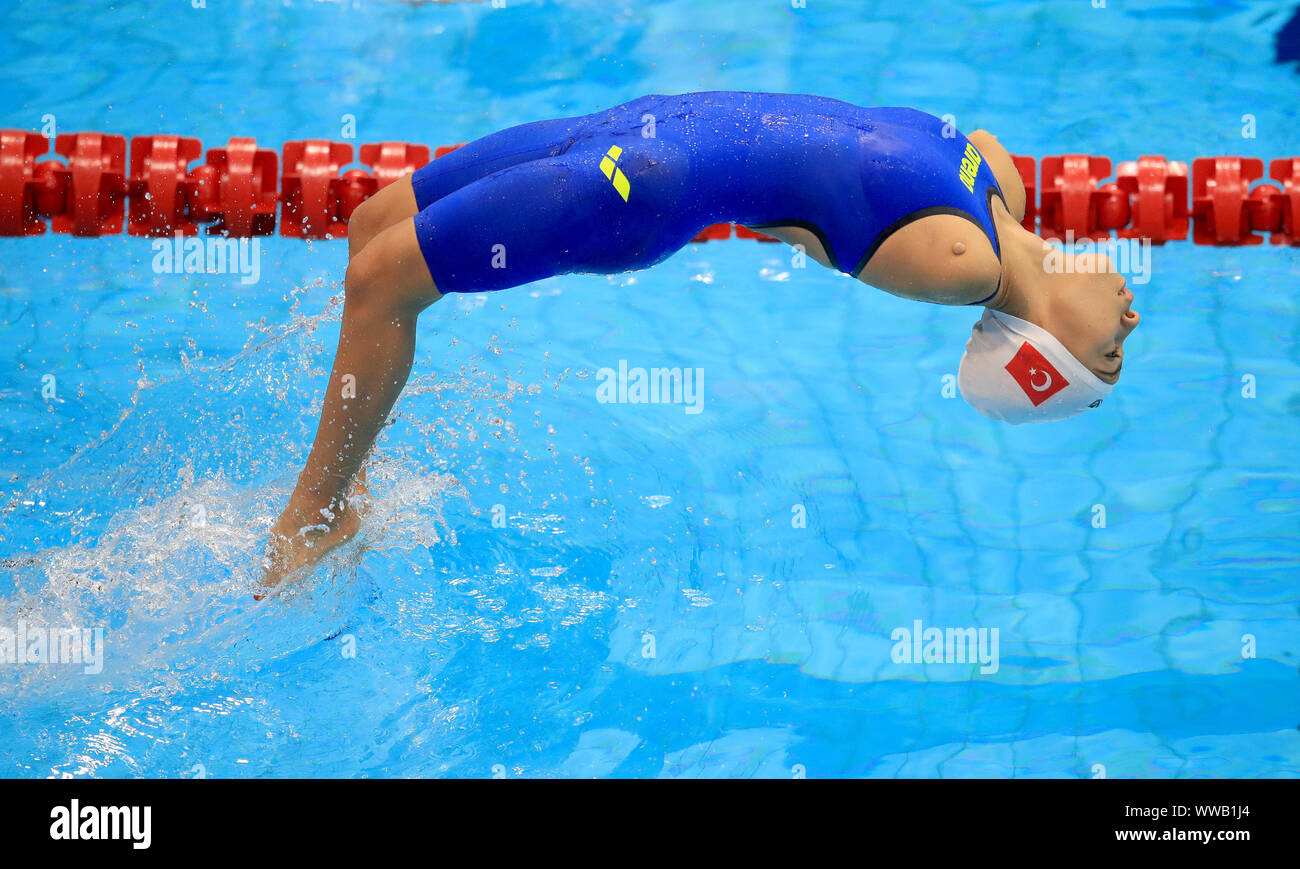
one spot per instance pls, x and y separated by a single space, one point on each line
1023 252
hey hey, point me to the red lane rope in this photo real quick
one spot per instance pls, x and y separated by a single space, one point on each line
238 191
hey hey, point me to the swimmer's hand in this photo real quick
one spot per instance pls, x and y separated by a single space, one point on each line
296 544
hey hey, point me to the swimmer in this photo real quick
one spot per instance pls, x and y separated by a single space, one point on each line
890 196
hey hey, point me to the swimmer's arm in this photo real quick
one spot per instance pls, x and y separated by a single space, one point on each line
800 239
942 259
919 262
1004 170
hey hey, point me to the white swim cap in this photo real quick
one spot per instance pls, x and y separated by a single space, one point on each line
1018 372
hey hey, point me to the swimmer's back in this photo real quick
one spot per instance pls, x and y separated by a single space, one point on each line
851 175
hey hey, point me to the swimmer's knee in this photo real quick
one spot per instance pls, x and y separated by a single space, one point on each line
364 224
387 207
362 283
388 277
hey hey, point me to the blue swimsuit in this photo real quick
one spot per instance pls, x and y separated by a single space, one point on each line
624 188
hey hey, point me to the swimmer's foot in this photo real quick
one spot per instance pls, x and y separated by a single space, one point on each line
295 545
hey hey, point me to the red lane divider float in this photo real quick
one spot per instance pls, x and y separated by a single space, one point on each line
160 188
96 184
236 189
1071 201
19 183
1157 191
310 189
239 189
1224 212
1288 172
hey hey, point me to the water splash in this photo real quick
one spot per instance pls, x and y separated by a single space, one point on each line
154 531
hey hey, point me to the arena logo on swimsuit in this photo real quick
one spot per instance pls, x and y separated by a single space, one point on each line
970 164
613 173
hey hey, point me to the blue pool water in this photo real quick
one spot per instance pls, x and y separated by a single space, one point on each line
652 605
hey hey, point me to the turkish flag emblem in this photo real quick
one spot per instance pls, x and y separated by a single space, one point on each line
1035 374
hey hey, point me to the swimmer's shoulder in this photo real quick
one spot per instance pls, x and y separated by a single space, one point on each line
1004 170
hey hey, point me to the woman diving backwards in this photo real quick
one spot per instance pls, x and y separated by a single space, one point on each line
891 196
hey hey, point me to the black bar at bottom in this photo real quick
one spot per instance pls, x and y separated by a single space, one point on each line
306 818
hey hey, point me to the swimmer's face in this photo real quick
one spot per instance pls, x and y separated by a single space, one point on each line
1092 313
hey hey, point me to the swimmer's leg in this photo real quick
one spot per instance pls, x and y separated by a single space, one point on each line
475 160
482 157
559 215
387 285
520 224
